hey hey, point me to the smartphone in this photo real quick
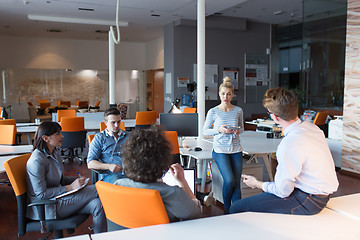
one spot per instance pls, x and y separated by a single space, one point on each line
232 128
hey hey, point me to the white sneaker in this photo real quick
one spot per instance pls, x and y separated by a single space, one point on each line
208 199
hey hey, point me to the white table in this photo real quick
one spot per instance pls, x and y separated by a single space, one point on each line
28 129
348 205
326 225
2 160
15 150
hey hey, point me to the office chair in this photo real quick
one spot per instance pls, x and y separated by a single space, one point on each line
65 113
82 104
103 126
64 103
172 137
16 172
320 118
127 207
42 101
94 173
17 136
189 110
74 136
144 120
8 133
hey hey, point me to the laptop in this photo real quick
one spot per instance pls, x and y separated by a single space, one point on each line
189 175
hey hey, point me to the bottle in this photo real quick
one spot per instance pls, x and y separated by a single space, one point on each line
4 114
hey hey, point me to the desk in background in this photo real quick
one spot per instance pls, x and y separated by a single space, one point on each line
6 150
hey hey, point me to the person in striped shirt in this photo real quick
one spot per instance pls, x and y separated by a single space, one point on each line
225 123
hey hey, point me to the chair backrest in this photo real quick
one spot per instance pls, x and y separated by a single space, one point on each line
82 104
189 110
16 171
172 137
103 126
8 133
0 112
66 103
97 103
65 113
320 118
72 124
9 122
44 105
42 101
132 207
90 138
145 118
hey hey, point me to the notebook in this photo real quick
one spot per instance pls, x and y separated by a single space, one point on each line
189 175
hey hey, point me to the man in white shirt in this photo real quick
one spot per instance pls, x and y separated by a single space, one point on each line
305 175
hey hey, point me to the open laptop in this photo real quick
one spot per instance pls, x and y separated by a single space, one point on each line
189 175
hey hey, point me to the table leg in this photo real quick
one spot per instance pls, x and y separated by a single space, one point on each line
29 138
267 161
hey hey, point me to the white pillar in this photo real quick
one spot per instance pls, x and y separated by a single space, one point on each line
201 64
4 87
111 70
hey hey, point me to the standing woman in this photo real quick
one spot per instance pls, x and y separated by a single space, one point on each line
45 180
227 151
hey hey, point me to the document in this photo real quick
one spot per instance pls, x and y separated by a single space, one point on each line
74 190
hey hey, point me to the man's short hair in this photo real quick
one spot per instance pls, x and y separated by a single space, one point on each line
281 102
111 111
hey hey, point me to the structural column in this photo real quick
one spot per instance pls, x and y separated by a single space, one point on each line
201 64
111 70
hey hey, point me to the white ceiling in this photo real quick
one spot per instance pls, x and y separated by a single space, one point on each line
142 26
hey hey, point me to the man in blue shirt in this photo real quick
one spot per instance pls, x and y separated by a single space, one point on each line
105 148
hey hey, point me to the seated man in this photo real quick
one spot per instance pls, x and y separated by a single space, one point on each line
305 175
105 148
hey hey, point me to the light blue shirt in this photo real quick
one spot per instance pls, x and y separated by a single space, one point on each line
105 148
304 162
224 142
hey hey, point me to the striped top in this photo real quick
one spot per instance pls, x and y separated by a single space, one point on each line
224 142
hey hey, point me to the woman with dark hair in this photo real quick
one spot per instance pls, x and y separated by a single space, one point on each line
146 158
45 180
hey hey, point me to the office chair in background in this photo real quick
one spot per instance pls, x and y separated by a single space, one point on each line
74 136
12 122
189 110
103 126
320 118
8 133
64 103
172 137
16 171
65 113
144 120
127 207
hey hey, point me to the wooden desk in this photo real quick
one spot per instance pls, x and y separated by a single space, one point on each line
326 225
6 150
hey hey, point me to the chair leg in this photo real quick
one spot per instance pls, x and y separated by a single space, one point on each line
59 234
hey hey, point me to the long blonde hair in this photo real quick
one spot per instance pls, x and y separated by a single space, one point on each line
227 83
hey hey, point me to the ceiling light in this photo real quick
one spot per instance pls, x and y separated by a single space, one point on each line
278 12
76 20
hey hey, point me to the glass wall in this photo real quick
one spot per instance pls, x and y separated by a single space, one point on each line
311 54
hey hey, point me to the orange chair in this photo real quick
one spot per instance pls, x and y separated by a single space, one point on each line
8 133
189 110
42 101
64 103
320 118
0 112
172 137
13 123
74 136
65 113
82 104
103 126
90 138
16 172
144 120
127 207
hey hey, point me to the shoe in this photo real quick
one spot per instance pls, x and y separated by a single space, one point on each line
208 199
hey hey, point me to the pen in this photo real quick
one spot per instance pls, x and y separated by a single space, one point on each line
79 174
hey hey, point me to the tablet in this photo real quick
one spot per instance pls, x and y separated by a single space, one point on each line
189 175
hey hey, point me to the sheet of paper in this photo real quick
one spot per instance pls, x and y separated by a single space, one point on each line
74 190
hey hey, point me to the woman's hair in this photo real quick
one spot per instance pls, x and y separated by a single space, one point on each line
146 155
281 102
227 83
45 128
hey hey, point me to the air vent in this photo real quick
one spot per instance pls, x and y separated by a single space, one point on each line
54 30
86 9
101 31
155 15
218 14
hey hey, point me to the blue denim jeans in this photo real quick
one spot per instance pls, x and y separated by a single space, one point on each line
111 178
230 166
298 203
